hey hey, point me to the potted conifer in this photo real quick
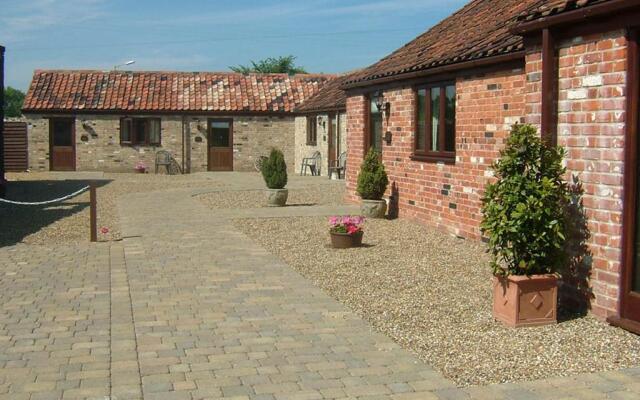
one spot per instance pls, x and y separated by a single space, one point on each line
372 183
524 219
274 172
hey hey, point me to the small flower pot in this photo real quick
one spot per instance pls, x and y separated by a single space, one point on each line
525 300
141 170
373 208
277 197
345 240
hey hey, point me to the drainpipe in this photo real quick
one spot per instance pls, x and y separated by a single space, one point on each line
186 146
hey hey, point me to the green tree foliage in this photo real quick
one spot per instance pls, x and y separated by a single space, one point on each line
275 65
372 181
524 210
274 170
13 99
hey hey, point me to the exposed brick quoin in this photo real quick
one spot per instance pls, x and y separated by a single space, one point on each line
591 116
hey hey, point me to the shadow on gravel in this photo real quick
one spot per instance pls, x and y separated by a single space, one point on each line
20 221
301 205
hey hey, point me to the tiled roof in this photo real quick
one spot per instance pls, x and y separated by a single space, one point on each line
547 8
330 97
169 91
478 30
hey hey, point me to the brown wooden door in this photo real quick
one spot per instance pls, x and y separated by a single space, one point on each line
220 141
62 144
630 290
334 140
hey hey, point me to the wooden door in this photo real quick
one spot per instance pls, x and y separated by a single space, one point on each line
62 144
331 148
220 139
630 289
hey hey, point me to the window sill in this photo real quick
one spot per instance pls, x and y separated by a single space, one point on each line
434 158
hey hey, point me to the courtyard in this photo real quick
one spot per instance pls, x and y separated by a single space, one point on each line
199 291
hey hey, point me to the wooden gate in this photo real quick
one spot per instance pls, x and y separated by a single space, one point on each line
15 146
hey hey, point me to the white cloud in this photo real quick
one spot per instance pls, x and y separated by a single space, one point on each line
19 18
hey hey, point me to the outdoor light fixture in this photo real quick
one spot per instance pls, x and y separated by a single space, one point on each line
383 106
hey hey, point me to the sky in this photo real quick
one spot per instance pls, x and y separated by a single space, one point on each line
328 36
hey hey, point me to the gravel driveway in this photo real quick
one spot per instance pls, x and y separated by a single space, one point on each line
431 293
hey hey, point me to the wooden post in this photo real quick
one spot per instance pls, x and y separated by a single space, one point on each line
2 169
93 212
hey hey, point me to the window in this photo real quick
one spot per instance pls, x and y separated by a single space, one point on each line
220 133
436 122
312 130
140 131
374 139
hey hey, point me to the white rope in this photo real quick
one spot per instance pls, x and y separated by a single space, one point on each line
40 203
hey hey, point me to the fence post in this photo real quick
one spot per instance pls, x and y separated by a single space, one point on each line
93 212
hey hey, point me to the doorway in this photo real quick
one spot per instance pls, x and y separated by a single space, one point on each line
62 144
220 141
630 282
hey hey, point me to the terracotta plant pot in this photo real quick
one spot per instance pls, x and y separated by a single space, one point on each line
345 241
525 300
141 170
277 197
373 208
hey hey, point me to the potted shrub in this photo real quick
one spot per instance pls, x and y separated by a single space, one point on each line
524 219
274 172
346 231
140 167
372 183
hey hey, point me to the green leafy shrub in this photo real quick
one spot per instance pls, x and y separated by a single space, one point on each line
524 210
372 181
274 170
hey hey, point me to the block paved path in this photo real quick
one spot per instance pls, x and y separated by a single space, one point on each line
187 307
214 315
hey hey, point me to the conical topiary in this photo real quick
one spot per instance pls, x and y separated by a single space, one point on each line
372 181
274 170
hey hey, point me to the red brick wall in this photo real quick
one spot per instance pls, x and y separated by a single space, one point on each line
446 196
591 115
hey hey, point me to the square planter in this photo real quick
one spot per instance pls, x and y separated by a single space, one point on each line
525 300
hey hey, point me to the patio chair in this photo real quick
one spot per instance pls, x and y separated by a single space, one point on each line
313 163
164 158
339 166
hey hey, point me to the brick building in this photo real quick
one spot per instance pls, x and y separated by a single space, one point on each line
449 98
111 121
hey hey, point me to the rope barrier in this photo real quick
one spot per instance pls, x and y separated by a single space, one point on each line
40 203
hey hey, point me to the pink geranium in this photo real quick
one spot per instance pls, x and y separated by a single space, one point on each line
346 224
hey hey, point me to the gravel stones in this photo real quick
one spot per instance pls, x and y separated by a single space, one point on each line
329 194
431 293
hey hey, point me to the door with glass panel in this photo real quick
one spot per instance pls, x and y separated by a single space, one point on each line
62 144
220 140
375 126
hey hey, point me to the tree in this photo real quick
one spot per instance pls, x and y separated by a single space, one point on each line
13 99
279 65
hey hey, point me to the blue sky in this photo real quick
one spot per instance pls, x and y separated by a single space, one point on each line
195 35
